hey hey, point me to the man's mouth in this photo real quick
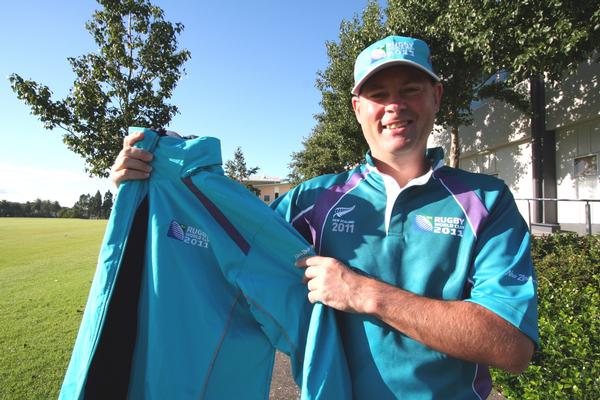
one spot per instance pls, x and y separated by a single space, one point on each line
397 125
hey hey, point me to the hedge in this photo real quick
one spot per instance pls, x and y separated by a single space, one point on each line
567 364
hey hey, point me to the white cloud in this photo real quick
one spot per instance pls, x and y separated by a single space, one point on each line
23 183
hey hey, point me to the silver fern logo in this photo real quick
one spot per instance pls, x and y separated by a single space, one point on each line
188 234
341 211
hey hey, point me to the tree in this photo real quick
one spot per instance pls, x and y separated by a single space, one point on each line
462 71
336 143
125 84
95 205
81 209
107 204
535 41
237 170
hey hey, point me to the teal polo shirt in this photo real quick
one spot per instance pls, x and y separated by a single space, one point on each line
451 235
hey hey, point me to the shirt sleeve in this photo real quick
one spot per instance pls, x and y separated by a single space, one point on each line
502 275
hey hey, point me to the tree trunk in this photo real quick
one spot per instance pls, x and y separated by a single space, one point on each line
454 147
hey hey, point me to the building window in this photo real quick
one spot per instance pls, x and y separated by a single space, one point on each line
276 194
267 198
586 166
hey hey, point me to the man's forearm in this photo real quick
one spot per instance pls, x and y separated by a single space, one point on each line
460 329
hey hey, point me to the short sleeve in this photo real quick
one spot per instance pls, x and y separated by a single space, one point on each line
502 275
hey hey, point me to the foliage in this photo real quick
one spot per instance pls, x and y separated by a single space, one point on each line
237 170
481 49
37 208
567 365
336 143
124 84
87 207
527 38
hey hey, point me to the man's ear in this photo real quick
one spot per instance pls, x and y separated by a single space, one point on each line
356 107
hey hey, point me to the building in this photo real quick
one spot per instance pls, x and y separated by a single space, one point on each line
500 143
269 188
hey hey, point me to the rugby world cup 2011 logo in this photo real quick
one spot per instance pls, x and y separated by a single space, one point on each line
188 234
453 226
424 223
176 231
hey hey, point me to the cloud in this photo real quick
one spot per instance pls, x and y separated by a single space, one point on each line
23 183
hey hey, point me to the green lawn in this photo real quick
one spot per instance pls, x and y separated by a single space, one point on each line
46 268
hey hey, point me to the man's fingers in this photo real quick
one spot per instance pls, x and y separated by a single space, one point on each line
136 165
132 139
309 261
138 154
129 174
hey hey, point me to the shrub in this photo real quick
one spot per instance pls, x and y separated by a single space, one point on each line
567 365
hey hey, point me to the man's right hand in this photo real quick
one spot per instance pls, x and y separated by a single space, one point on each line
131 163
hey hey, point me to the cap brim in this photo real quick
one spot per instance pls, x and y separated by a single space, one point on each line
387 64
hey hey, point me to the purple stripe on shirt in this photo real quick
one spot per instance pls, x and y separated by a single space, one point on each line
327 201
233 233
302 226
472 205
482 384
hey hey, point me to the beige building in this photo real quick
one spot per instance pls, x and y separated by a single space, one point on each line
499 143
270 187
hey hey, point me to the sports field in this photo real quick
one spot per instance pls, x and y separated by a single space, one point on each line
46 267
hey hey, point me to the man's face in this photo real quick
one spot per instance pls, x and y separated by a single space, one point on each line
396 109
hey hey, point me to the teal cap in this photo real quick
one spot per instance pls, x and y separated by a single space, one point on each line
393 50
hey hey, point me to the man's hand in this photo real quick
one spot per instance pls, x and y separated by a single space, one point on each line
131 163
331 282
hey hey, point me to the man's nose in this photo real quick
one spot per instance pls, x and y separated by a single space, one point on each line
396 103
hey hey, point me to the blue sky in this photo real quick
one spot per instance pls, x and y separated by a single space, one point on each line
250 82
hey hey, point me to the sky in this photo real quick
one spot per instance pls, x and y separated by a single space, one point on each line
250 83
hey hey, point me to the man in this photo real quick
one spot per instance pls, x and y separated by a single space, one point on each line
430 265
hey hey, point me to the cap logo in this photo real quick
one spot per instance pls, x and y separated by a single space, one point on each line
401 48
378 54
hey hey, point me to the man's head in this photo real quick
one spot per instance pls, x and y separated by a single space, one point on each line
396 97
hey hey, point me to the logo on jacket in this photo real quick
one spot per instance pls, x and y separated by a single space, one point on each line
453 226
339 212
188 234
339 224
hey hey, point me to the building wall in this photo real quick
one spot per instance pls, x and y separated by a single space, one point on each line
269 192
499 143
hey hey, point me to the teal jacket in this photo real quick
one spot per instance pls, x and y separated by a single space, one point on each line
195 289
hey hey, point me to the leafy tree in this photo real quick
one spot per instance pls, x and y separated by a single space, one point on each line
462 71
336 143
95 205
125 83
81 209
535 41
527 38
237 170
107 204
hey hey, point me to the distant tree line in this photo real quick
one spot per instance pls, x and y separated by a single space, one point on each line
87 207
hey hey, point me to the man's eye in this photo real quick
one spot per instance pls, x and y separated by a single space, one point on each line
411 91
377 95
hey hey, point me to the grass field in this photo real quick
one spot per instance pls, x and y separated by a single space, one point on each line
46 267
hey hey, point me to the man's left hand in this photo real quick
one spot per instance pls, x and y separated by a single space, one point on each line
331 282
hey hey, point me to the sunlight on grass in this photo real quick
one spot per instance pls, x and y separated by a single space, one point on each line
46 267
